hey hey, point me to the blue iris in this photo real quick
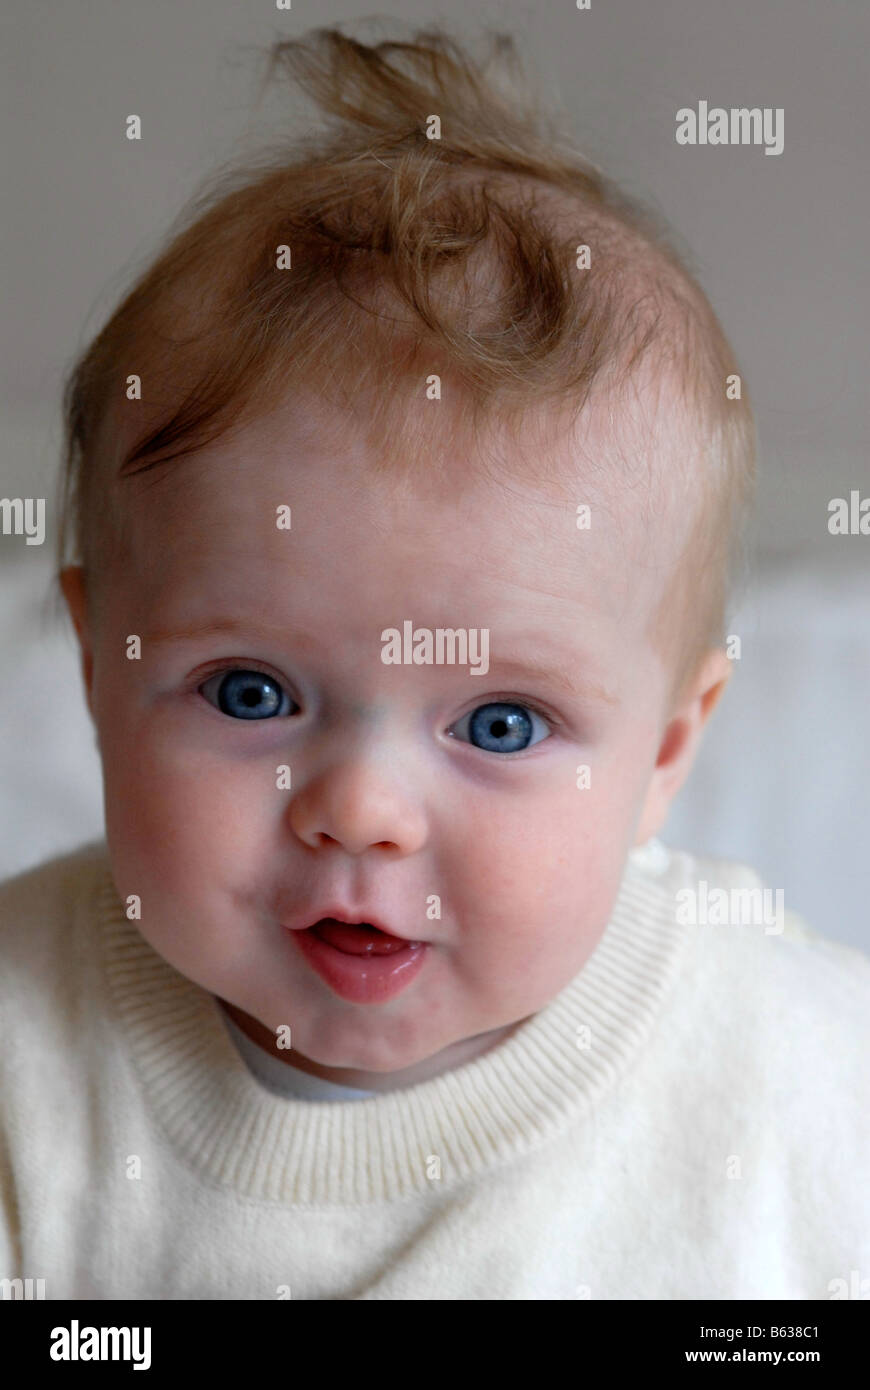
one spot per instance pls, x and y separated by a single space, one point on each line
249 695
499 728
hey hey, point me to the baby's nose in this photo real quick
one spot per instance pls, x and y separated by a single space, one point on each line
356 808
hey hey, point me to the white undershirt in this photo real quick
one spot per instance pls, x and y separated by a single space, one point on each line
283 1079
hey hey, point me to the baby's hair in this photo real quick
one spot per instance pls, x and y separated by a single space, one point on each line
412 251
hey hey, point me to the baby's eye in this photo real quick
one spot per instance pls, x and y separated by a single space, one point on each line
247 694
501 728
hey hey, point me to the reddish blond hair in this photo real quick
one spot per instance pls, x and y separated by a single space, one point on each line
410 256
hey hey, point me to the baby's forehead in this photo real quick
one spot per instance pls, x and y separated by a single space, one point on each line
555 499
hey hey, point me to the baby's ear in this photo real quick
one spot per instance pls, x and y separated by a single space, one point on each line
681 740
72 582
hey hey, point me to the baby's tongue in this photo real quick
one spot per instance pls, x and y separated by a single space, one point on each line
357 941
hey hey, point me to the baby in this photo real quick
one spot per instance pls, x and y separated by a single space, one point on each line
405 488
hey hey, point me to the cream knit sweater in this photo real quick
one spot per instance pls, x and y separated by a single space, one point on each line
687 1119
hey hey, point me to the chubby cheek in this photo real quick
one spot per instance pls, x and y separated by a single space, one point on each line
532 884
189 841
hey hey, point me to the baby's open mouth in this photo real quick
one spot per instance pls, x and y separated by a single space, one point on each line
358 938
360 962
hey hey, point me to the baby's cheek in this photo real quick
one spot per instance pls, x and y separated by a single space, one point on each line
566 876
184 824
524 864
190 862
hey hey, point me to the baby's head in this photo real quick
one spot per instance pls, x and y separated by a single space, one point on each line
423 521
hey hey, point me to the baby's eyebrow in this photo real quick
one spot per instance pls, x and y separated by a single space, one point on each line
227 627
570 680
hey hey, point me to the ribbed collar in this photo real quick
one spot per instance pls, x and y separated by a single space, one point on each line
526 1090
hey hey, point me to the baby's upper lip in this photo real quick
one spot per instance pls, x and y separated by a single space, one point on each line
341 913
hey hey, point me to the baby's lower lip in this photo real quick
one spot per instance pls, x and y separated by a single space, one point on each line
360 964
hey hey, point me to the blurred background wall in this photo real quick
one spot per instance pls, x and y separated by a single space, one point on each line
778 242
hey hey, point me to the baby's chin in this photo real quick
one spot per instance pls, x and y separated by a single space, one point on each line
369 1070
373 1052
444 1019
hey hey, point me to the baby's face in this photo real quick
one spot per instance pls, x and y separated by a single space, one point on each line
413 788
